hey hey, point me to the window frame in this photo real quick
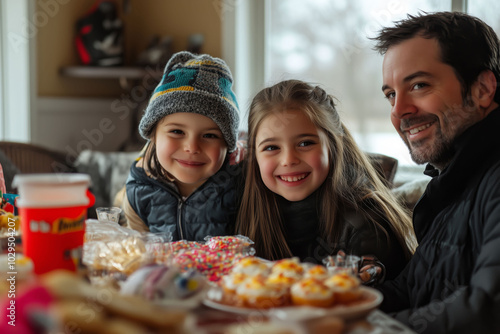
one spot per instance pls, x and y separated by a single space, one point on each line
18 87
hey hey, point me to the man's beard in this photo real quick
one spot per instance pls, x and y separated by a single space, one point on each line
439 155
443 150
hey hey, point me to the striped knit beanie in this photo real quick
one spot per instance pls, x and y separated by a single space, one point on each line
198 84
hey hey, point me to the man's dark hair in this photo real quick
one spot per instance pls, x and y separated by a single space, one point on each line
467 44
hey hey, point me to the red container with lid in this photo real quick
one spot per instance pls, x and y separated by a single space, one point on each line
53 210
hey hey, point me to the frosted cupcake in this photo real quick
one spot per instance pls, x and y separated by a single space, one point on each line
311 292
255 293
318 272
345 287
250 266
288 268
231 282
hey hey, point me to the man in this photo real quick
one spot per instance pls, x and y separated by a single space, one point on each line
440 74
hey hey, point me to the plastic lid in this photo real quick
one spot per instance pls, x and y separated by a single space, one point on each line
50 179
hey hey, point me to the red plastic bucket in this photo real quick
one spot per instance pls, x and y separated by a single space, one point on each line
53 210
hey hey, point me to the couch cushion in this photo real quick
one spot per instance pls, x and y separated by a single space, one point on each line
385 166
9 170
108 172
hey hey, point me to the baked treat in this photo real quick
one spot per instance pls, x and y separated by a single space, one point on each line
255 293
159 282
291 268
311 292
345 287
280 280
231 282
70 292
251 266
318 272
122 256
284 273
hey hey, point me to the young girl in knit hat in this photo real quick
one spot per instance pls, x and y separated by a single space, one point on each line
184 183
309 190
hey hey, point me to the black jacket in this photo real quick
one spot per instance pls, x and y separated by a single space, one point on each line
210 210
452 283
358 235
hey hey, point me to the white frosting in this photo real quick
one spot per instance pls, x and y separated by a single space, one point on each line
341 282
233 281
250 266
309 289
256 287
289 268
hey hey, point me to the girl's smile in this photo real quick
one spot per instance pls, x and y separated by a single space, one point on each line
293 179
292 154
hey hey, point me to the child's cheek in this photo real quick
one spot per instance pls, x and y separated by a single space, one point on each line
267 173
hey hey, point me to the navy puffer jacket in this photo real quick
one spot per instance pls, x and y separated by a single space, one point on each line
209 210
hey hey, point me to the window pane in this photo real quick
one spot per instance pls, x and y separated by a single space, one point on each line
486 10
326 42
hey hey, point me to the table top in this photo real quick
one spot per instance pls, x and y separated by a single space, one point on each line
211 321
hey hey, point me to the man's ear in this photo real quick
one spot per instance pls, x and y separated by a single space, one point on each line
484 88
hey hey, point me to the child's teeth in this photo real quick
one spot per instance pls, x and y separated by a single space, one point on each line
293 178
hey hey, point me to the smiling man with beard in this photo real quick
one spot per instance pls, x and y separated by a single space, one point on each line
440 74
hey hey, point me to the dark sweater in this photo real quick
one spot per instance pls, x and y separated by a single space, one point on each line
358 235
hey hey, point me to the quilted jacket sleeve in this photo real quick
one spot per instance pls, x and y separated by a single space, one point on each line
472 308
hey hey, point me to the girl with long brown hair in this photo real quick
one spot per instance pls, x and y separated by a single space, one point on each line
309 189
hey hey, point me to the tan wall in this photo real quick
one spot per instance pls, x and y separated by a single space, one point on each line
175 18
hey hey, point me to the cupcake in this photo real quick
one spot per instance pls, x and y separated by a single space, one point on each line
288 268
231 282
318 272
250 266
345 287
311 292
280 280
255 293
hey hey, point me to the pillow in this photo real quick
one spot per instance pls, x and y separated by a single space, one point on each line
409 193
385 166
108 172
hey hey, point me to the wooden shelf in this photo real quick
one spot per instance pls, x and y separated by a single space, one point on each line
95 72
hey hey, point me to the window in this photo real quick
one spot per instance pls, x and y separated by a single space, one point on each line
17 70
487 11
325 42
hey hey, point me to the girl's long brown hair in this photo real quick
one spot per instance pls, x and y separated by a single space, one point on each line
352 181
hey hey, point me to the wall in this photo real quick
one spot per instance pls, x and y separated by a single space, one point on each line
64 120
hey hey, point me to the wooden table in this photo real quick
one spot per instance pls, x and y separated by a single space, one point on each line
211 321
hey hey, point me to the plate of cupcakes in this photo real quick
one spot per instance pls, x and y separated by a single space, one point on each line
287 289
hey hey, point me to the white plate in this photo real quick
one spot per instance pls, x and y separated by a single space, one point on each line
372 297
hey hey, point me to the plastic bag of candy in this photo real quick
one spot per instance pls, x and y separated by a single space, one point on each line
215 257
112 252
